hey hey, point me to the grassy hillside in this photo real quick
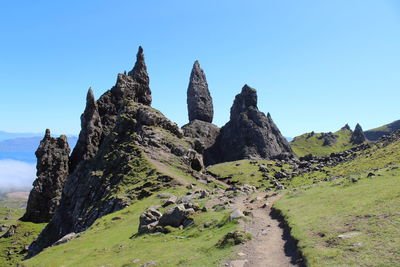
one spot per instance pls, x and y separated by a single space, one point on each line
12 249
376 133
111 242
347 224
248 172
313 144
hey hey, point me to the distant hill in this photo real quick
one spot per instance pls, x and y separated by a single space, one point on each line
375 134
6 135
321 144
23 148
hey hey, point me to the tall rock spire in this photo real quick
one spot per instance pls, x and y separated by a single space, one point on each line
90 135
52 170
139 71
249 134
199 101
358 136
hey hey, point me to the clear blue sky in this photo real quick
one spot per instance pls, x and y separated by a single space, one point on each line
315 64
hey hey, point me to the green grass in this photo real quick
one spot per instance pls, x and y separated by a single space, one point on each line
246 171
108 242
11 248
371 207
303 144
375 160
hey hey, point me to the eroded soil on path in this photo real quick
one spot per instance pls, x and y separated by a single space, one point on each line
271 244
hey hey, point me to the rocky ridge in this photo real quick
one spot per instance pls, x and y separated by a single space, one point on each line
118 172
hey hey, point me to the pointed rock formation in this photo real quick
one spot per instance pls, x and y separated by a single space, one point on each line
358 136
132 87
133 135
52 170
90 135
199 100
346 127
249 133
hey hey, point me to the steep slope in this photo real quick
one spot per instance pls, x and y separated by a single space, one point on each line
113 170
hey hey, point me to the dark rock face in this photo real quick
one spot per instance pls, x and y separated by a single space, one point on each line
328 138
205 134
358 136
90 135
132 135
52 170
345 127
249 133
199 100
132 87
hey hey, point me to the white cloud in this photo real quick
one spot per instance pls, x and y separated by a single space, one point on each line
16 175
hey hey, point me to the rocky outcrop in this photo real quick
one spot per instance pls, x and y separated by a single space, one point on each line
199 100
328 138
346 127
358 136
133 135
249 133
202 132
90 135
52 170
132 87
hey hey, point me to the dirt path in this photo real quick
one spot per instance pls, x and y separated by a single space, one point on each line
271 245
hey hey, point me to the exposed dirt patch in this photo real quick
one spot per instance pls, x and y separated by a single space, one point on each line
271 244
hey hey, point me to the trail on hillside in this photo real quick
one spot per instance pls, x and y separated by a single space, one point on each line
271 244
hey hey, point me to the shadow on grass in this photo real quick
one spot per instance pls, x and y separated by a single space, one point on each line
291 249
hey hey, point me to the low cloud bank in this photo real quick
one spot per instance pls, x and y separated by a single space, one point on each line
16 175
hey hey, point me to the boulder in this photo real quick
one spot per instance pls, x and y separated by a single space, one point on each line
149 220
175 216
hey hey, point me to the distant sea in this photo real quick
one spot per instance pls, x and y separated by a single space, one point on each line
18 162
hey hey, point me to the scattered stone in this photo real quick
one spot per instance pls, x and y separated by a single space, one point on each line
150 263
349 235
175 216
170 201
66 239
10 232
149 220
238 263
236 214
234 238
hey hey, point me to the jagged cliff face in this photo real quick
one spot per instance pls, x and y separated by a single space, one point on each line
52 170
199 100
248 134
90 135
116 172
